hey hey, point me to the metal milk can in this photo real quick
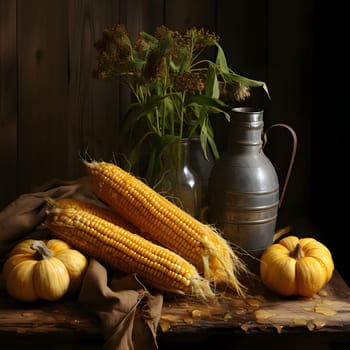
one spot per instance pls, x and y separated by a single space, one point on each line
243 187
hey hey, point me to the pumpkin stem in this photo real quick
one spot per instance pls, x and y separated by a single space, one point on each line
42 251
297 252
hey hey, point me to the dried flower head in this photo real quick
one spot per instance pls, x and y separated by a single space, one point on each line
241 93
192 83
203 38
155 65
114 52
238 92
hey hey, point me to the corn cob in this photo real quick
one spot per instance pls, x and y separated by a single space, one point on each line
103 212
167 224
125 251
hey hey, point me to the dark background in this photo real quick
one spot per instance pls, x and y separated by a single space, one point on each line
52 112
330 130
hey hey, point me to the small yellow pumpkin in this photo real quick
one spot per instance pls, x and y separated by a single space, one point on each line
47 270
296 266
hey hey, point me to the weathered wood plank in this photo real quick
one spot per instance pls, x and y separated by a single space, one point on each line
261 312
137 16
8 102
42 86
93 105
182 14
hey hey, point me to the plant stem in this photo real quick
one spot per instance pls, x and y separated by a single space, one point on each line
297 252
41 250
182 113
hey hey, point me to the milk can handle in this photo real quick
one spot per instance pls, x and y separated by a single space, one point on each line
292 158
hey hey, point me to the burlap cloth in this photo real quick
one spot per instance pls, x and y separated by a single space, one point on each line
128 311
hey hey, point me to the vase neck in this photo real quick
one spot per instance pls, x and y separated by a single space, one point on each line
246 131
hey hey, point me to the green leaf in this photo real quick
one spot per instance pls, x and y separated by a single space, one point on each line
215 110
204 100
150 38
230 77
211 83
206 132
221 61
135 153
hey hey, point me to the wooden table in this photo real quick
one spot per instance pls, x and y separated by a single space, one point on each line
262 320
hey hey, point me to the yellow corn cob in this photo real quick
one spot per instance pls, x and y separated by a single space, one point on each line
125 251
92 208
167 224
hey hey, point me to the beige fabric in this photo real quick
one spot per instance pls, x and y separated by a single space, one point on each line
129 313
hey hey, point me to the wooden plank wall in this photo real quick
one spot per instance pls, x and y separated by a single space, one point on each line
53 112
8 102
